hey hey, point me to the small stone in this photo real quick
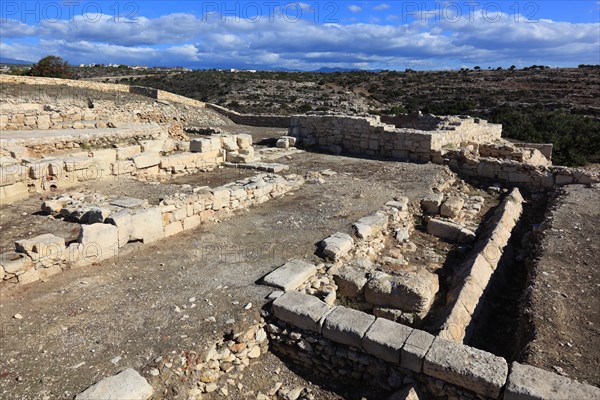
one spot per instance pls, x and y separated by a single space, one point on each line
248 306
154 372
17 316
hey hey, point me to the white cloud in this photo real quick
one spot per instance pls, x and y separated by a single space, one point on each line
184 39
381 7
354 8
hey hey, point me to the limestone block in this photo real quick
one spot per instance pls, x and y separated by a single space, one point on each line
11 174
201 146
146 160
290 275
401 204
350 281
106 155
337 245
14 192
43 122
147 225
123 167
431 204
100 241
191 222
367 227
29 276
2 273
127 384
449 231
122 220
221 196
385 339
530 383
152 146
473 369
124 153
229 143
42 245
347 326
244 140
410 291
414 350
300 310
14 263
173 228
452 206
129 202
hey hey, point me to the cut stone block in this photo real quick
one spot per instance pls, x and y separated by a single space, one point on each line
244 140
146 160
290 275
173 228
300 310
337 245
29 276
414 350
201 145
452 206
127 384
369 226
431 204
38 243
530 383
152 146
473 369
147 225
123 153
221 197
351 281
122 220
385 339
450 231
347 326
128 202
191 222
14 263
99 241
411 291
229 143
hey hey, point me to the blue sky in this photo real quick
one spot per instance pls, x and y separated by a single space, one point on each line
305 35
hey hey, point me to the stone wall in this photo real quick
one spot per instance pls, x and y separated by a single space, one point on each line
143 152
348 345
471 279
370 136
106 228
269 121
517 173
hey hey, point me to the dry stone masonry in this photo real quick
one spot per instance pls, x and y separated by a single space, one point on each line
107 225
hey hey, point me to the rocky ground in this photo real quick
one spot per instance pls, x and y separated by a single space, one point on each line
60 336
563 304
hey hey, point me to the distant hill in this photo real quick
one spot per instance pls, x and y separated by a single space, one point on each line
6 60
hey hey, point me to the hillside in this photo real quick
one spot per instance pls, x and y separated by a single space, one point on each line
534 104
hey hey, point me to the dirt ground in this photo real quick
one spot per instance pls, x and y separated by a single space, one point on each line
564 302
77 322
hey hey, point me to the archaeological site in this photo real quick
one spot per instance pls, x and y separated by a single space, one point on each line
159 247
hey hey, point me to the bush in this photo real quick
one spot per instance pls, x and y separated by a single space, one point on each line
52 67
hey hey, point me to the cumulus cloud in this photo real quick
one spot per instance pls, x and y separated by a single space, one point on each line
185 39
354 8
381 7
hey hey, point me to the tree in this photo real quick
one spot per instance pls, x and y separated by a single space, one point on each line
52 67
477 68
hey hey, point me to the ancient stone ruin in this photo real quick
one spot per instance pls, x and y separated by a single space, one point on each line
392 299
